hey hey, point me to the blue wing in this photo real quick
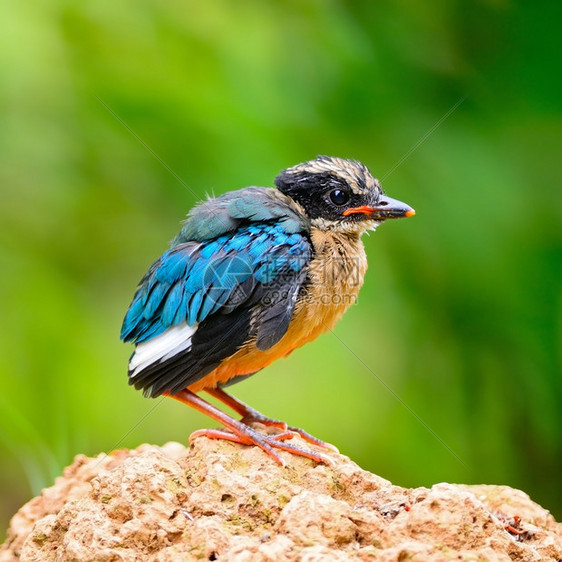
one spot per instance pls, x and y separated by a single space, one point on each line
242 283
196 279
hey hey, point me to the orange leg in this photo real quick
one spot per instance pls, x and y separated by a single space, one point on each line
250 415
242 433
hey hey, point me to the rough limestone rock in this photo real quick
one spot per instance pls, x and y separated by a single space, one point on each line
222 501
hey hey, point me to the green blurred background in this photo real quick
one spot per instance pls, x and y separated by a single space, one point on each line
460 314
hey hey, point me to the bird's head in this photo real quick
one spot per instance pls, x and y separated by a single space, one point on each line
340 195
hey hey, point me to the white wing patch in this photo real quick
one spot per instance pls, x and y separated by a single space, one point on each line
171 342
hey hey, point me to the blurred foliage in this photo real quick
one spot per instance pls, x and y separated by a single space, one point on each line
461 310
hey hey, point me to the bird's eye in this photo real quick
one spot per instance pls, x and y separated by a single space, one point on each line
339 197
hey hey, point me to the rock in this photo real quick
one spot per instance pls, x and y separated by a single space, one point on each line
223 501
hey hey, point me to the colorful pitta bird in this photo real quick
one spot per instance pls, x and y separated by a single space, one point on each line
253 275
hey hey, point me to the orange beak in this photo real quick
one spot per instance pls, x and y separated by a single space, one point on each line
386 208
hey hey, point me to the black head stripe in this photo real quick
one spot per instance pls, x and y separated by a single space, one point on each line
307 189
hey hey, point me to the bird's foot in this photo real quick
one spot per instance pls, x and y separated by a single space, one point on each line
246 435
240 432
314 440
253 416
250 415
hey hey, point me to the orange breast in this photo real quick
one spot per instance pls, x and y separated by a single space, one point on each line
336 275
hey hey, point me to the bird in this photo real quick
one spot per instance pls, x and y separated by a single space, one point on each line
254 274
